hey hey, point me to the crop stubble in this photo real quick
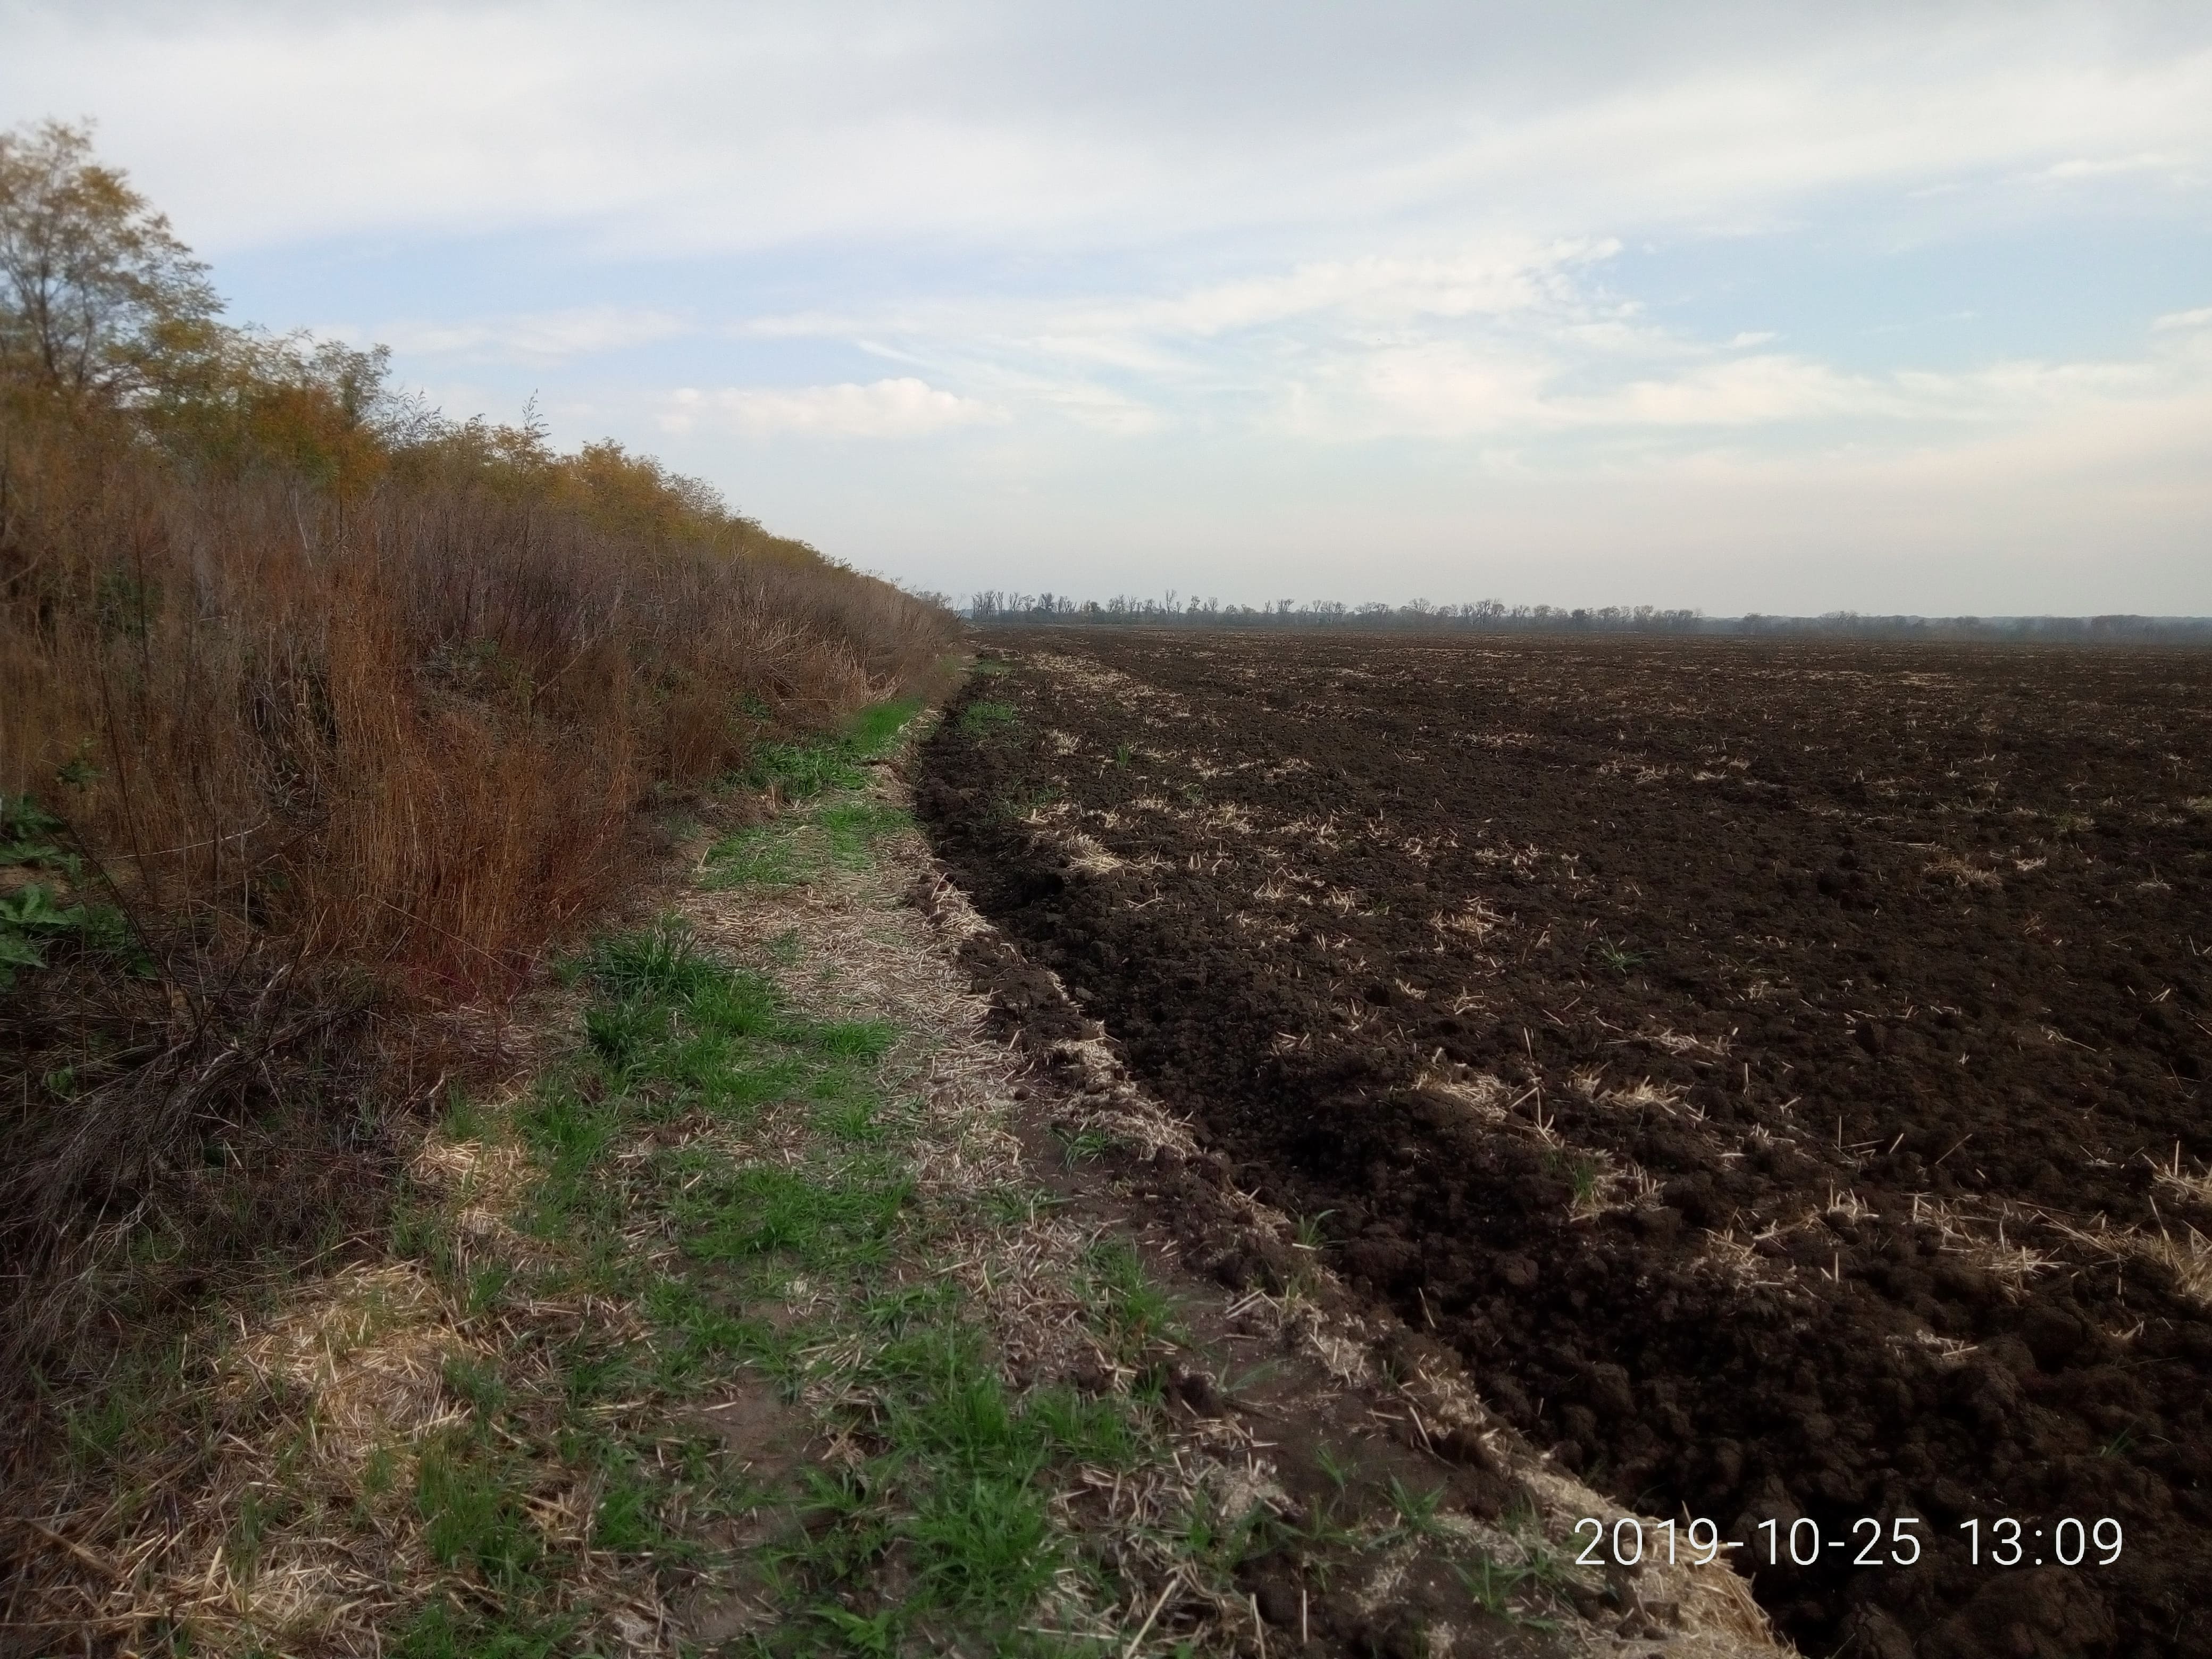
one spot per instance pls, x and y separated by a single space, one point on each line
1777 1069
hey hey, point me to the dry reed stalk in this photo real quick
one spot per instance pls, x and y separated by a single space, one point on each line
341 765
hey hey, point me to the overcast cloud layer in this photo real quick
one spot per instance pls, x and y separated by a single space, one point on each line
1743 307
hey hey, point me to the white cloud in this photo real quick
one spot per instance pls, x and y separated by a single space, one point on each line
1513 342
1758 391
1375 288
1507 276
546 337
2100 168
1450 389
662 125
1433 391
1234 272
901 408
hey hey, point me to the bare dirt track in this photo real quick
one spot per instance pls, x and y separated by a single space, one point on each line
1778 1070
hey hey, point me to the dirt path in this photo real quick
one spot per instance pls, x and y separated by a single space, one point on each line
803 1297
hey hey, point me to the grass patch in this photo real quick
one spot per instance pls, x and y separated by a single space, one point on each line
1586 1173
1492 1586
1080 1145
876 728
474 1516
960 1492
794 850
1134 1315
1416 1511
1023 802
801 771
765 1154
986 717
765 1210
760 856
945 1531
848 1039
1618 958
442 1630
852 829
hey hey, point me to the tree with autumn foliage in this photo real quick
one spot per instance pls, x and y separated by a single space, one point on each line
102 307
95 287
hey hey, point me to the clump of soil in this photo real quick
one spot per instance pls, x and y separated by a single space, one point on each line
1777 1070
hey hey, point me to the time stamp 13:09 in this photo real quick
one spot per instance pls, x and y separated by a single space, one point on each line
2004 1543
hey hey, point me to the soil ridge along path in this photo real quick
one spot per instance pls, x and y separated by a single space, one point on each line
1777 1071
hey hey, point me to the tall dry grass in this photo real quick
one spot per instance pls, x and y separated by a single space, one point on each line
327 757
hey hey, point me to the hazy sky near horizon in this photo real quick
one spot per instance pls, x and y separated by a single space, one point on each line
1765 307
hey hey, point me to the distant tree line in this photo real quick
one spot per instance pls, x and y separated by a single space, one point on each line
996 607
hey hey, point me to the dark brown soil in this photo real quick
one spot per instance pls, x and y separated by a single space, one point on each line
1757 1061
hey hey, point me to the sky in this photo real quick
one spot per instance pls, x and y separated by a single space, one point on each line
1778 307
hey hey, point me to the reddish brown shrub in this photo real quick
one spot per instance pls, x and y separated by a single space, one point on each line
328 752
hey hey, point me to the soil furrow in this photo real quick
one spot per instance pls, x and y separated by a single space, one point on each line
1777 1070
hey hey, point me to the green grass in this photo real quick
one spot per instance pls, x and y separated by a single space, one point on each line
962 1491
669 1030
473 1513
441 1631
460 1117
761 856
1023 802
479 1384
985 717
1615 957
983 1545
1416 1511
1584 1172
851 829
795 849
811 1266
852 1121
662 961
800 771
1081 1145
1133 1314
766 1210
1217 1543
876 728
627 1517
123 1422
959 1488
848 1039
1493 1586
696 1339
1340 1474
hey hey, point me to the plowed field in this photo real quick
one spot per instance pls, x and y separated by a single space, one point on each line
1778 1071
